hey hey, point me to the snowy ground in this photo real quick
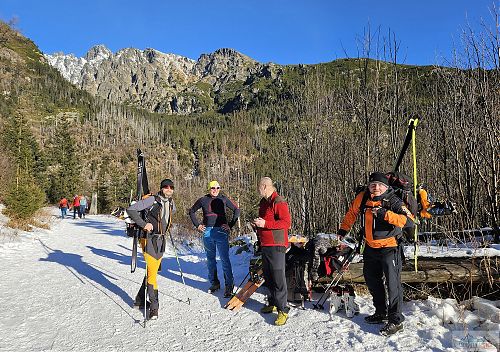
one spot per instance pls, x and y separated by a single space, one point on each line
70 288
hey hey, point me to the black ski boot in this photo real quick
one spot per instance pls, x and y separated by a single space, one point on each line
215 286
391 328
139 298
153 298
376 318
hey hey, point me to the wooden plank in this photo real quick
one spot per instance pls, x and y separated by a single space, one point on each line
435 270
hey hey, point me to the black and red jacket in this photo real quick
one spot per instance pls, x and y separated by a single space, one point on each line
274 210
214 211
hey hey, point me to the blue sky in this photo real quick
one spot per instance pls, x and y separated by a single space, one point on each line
285 32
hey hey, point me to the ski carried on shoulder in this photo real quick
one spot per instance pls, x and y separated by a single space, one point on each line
142 188
256 280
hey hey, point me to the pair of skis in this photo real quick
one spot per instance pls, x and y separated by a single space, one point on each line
255 281
141 190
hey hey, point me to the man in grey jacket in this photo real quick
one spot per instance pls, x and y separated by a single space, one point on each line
154 215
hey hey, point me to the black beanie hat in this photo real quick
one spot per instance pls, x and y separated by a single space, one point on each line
379 177
166 182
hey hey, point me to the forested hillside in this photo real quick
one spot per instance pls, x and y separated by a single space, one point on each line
319 131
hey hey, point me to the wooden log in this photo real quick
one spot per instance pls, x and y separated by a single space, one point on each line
433 270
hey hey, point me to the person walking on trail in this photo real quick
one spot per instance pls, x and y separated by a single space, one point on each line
216 229
83 206
76 206
272 225
63 205
384 215
158 211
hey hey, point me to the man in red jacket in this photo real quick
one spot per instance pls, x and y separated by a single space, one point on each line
272 231
76 206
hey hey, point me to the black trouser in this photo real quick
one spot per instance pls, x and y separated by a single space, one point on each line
273 267
76 210
379 263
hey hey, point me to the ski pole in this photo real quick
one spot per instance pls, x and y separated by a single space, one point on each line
343 266
145 286
335 280
178 263
241 283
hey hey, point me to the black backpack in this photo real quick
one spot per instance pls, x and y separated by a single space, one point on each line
403 188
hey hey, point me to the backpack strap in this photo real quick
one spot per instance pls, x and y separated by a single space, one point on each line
362 206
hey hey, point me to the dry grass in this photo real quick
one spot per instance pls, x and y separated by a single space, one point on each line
41 219
20 224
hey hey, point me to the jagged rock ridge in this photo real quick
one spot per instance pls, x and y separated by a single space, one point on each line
159 82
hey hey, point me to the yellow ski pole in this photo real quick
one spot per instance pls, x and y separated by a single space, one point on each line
415 254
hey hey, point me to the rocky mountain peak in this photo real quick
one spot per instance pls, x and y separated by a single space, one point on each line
98 53
159 82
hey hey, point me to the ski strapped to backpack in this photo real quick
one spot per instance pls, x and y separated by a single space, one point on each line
411 137
142 188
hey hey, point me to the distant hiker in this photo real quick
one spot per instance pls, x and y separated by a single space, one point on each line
83 206
272 225
384 215
216 229
158 211
76 206
63 205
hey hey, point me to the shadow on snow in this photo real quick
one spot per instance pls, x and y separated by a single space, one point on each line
86 273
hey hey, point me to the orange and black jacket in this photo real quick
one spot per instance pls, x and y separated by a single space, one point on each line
384 229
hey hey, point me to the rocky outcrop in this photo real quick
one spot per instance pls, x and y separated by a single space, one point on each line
159 82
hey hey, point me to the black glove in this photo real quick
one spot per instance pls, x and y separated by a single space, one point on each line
341 233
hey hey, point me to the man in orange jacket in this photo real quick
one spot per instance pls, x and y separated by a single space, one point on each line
384 215
63 205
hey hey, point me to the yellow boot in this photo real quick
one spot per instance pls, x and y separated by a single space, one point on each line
281 319
268 309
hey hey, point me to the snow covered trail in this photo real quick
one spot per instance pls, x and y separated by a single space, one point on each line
70 288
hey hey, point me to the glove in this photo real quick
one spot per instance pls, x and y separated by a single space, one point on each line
341 233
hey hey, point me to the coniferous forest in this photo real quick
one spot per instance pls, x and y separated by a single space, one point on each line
319 133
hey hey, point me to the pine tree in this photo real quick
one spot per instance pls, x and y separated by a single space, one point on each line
24 195
104 194
64 161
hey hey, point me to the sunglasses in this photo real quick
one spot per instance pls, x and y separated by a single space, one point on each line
214 187
169 187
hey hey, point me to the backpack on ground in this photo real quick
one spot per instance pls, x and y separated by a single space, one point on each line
297 278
